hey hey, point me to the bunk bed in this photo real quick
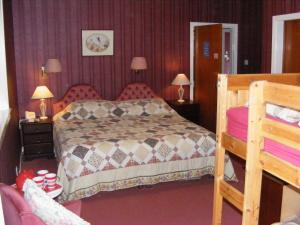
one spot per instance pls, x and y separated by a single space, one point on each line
256 90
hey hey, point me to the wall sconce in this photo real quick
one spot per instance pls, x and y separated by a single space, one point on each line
181 79
42 92
51 66
138 63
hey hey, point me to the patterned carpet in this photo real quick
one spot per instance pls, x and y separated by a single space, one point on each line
175 203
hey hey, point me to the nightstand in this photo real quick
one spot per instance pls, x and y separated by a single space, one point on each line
37 138
187 109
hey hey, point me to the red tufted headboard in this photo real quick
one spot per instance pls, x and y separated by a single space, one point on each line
136 91
74 93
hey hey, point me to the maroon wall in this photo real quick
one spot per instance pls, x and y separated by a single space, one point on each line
250 37
156 29
272 8
10 147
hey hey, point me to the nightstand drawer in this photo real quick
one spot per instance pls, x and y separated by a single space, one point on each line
37 138
36 149
37 128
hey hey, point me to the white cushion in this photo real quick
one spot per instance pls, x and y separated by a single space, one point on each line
286 114
48 210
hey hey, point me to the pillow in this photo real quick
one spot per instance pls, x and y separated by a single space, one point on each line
286 114
143 107
91 109
48 210
283 113
85 109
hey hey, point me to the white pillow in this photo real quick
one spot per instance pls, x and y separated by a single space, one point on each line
48 210
286 114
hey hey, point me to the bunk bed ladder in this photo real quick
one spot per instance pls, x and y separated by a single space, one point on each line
249 201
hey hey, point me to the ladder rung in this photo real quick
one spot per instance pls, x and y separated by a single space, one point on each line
232 195
234 145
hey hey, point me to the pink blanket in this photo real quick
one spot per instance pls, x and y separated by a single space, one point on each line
237 126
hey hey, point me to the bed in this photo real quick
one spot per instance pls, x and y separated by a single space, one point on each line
137 140
268 141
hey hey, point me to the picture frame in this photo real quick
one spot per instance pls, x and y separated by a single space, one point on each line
97 42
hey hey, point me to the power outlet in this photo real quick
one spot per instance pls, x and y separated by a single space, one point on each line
246 62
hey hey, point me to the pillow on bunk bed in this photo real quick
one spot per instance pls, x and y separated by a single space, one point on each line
283 113
286 114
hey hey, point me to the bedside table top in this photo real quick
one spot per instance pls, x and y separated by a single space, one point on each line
37 121
176 103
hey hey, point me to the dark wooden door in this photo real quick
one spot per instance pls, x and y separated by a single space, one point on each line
208 63
291 52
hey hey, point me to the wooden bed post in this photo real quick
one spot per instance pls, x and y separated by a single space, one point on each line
220 151
255 143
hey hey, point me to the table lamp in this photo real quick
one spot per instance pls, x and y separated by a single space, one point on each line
181 79
42 92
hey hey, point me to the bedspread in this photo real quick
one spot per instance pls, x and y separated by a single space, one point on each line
110 143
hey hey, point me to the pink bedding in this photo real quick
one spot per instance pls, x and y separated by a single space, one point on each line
237 126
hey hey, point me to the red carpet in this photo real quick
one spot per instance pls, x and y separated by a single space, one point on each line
175 203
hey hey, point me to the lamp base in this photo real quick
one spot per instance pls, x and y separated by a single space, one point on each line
43 108
180 94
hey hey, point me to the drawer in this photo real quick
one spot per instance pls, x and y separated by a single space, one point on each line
37 138
37 149
36 128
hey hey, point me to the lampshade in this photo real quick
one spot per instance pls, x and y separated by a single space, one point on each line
41 92
181 79
138 63
53 66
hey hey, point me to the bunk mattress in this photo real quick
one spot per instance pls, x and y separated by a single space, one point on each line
237 126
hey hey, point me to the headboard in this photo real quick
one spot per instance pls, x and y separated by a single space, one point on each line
74 93
136 91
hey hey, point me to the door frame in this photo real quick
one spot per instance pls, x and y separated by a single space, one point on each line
232 26
278 38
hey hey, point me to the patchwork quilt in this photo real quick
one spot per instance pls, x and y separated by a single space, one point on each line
101 136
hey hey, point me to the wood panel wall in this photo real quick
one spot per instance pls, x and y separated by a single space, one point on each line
156 29
273 8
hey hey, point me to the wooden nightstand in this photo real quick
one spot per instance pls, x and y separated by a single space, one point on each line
187 109
37 138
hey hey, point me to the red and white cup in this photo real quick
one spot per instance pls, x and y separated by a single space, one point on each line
50 180
42 173
39 181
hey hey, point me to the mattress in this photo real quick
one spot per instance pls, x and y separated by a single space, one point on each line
237 126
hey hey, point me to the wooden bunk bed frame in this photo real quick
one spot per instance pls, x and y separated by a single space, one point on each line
233 91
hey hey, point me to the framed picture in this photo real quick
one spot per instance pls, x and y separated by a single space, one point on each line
97 42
